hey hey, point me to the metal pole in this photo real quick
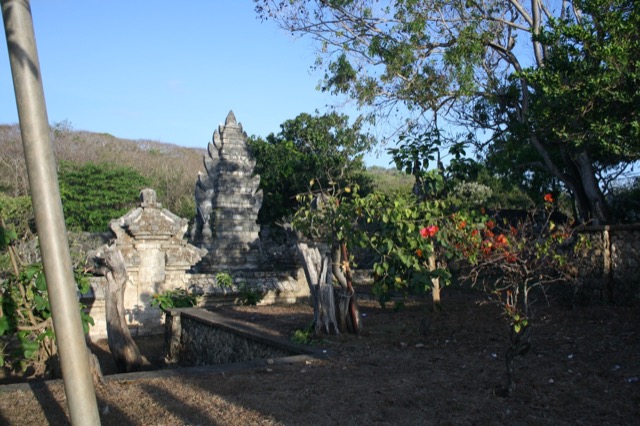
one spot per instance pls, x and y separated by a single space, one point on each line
45 194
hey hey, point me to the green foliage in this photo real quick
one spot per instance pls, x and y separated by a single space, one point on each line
470 194
569 120
404 233
178 298
419 155
391 228
586 95
224 280
26 329
581 107
17 214
305 336
324 149
94 194
302 337
249 295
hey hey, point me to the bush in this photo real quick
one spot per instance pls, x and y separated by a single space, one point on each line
94 194
26 330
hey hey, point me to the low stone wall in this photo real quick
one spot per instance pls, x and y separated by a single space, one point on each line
196 337
283 287
609 271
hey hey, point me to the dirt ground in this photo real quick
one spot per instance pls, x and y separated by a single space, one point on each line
583 369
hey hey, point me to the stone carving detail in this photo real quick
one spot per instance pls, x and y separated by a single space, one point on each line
156 255
152 242
228 202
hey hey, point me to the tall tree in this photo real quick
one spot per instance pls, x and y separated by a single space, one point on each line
325 149
461 60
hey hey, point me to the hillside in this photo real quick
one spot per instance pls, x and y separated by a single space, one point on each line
172 169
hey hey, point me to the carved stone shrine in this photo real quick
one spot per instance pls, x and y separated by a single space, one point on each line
227 203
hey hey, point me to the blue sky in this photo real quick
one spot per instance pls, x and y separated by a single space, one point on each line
167 70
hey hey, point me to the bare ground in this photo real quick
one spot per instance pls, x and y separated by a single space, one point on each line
583 368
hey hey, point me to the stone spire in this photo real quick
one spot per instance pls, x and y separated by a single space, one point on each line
227 202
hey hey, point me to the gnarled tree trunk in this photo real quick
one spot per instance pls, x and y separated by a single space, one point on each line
124 350
316 261
348 311
320 266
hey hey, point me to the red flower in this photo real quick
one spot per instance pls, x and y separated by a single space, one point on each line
490 224
548 198
429 231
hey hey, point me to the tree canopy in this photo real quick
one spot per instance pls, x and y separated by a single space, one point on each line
494 68
322 150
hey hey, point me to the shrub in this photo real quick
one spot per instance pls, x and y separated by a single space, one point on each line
94 194
178 298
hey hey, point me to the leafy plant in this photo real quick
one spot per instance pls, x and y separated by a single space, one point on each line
249 295
515 262
224 280
178 298
26 330
304 336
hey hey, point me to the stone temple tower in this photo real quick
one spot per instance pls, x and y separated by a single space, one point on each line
227 202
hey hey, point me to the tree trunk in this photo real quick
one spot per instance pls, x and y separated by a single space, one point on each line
124 350
348 311
316 268
592 192
435 283
520 345
578 176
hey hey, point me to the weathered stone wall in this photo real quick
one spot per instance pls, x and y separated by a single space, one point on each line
609 271
195 337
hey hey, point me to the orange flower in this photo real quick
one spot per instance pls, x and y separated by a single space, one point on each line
548 198
502 240
419 252
462 224
490 224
